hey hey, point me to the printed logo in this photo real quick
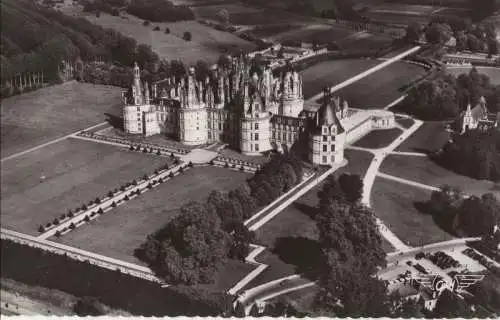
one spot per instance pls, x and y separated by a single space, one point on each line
458 283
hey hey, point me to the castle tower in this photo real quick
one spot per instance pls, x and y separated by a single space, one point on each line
468 121
146 93
292 102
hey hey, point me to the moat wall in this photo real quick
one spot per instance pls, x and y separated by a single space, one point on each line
32 266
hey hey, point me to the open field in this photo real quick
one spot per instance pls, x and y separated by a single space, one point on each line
37 117
266 16
394 203
209 12
206 43
120 231
382 87
492 72
378 138
374 91
364 41
75 172
332 72
424 170
323 33
430 137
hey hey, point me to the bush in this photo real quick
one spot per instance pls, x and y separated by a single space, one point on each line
177 161
171 174
86 219
138 148
211 162
115 12
131 148
145 177
157 28
84 207
89 307
56 221
110 194
167 30
41 229
420 255
145 150
165 167
226 165
126 198
187 36
156 172
70 214
122 188
242 168
233 166
48 225
97 200
158 152
58 233
190 164
134 182
172 155
98 14
93 214
63 216
146 23
100 211
181 170
113 205
72 226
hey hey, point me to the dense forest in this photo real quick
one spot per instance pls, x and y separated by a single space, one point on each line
36 38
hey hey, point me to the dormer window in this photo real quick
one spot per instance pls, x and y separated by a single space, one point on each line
325 130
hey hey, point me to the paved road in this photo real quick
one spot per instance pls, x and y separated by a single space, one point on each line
408 182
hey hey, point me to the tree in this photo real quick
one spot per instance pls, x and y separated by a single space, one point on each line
223 16
450 305
223 61
413 32
167 30
146 23
187 36
352 186
438 33
88 306
202 70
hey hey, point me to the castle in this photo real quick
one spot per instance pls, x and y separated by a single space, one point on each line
478 118
253 113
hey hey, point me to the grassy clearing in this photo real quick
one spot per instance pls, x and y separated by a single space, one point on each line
323 33
492 72
267 16
424 170
382 87
206 43
378 138
75 172
40 116
119 232
210 12
430 137
332 72
274 30
396 204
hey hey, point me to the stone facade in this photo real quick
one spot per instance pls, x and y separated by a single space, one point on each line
253 113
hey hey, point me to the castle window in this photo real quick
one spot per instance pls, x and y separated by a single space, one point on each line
274 134
324 159
138 109
220 126
256 126
325 148
256 147
333 158
325 138
289 137
325 130
256 136
333 147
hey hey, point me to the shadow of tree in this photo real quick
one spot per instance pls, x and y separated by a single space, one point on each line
114 121
306 209
444 221
303 253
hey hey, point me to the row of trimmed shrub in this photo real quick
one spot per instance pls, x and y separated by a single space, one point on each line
97 201
482 260
127 197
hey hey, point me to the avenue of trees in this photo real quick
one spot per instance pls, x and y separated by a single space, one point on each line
192 247
472 216
444 97
475 154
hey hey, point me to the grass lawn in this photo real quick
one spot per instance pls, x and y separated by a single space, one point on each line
363 41
119 232
266 16
394 203
359 161
206 43
209 12
430 137
332 72
302 299
40 116
492 72
378 138
274 30
229 274
76 172
424 170
382 87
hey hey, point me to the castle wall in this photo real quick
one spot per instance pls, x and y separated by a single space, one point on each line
292 108
133 118
255 134
326 149
193 126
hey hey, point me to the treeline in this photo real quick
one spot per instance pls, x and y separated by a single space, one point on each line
475 154
445 97
192 247
465 217
479 37
113 288
159 11
36 38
